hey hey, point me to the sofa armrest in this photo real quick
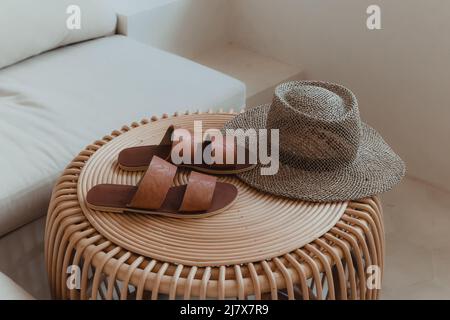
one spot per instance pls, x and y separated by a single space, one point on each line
9 290
170 25
127 9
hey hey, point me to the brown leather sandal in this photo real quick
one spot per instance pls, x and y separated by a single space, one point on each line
138 158
202 197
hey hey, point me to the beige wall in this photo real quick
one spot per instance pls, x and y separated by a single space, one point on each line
400 74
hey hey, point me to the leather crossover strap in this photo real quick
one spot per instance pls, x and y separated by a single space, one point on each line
199 192
155 184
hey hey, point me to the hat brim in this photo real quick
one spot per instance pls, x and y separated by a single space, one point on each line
376 169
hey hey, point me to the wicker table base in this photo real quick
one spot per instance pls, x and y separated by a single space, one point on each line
331 266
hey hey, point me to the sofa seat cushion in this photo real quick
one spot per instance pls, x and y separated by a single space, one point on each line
53 105
9 290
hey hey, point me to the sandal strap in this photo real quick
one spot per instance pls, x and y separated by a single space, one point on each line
199 192
167 138
155 184
188 142
226 149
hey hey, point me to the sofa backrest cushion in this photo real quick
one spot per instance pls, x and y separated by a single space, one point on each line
30 27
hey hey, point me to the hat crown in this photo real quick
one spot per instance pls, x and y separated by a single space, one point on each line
319 124
316 102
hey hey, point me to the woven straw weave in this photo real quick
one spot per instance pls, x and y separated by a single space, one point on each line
326 152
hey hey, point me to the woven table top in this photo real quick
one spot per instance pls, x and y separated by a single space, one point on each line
257 227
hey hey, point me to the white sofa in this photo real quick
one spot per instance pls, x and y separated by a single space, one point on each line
54 103
9 290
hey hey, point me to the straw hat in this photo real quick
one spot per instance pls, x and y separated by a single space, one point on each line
326 152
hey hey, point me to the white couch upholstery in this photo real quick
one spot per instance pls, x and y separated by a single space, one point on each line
9 290
22 258
30 27
54 104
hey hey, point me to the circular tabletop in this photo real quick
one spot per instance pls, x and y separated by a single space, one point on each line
258 226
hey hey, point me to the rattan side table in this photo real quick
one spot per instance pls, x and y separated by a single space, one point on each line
264 248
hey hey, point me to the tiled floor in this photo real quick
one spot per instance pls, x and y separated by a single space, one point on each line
417 220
